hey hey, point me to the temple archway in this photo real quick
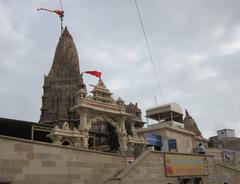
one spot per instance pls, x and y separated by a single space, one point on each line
67 142
100 111
104 134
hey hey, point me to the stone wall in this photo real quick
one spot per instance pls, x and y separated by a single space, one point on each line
228 174
27 162
149 168
218 158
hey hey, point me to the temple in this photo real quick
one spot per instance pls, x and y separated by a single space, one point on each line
62 84
80 119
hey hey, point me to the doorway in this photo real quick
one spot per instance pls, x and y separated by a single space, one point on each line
103 137
197 181
191 181
185 181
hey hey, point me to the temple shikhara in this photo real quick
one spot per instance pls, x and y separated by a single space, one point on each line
62 84
88 137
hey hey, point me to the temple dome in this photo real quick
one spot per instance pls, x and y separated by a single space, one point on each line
65 62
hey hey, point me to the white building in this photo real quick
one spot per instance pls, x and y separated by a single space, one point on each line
225 133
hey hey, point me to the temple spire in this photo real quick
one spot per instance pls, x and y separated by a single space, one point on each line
65 62
190 124
187 115
62 83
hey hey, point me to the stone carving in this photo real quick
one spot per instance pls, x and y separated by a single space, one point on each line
67 105
135 120
62 135
62 84
102 108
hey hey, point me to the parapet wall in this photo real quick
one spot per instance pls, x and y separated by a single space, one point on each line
228 174
28 162
150 168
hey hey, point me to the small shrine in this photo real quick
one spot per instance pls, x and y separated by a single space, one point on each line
67 137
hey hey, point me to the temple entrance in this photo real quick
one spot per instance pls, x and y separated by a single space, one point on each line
103 136
191 181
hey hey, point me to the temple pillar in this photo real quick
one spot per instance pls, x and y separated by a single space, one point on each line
83 121
84 128
77 142
123 144
121 124
122 137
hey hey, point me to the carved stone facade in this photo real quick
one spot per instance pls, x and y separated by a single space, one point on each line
102 124
101 108
82 120
66 136
61 84
135 118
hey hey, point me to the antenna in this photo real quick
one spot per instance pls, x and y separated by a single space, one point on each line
155 100
60 13
60 1
61 17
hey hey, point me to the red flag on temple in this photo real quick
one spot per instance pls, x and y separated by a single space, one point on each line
95 73
59 12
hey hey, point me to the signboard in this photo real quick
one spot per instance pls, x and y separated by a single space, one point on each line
185 165
154 140
229 156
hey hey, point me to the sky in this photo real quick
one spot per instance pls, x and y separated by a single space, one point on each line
195 46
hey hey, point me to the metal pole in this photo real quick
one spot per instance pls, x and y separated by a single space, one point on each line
155 100
61 25
32 132
158 118
94 144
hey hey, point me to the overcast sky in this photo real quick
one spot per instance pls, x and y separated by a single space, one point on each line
195 47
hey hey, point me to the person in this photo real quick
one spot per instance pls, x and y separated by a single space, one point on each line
201 149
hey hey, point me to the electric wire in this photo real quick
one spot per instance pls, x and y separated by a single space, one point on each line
149 50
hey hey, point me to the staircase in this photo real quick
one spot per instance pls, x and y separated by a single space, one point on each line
116 179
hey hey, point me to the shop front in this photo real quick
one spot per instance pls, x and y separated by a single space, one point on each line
190 180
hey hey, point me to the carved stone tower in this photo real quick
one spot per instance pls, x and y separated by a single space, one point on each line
61 84
191 125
